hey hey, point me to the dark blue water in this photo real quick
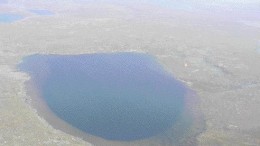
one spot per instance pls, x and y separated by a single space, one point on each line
41 12
116 96
9 18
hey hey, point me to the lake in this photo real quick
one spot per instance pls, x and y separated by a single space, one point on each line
41 12
113 96
258 50
3 2
9 18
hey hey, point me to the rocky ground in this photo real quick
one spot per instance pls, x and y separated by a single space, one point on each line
215 54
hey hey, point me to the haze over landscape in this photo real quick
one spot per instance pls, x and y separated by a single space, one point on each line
210 47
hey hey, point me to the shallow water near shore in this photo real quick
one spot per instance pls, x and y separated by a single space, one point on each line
120 97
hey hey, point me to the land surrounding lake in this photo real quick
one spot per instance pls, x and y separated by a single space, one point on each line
209 49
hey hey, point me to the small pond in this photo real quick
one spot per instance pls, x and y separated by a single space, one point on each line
9 17
258 50
41 12
3 2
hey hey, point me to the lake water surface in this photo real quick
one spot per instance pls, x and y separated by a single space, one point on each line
114 96
3 2
42 12
9 18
